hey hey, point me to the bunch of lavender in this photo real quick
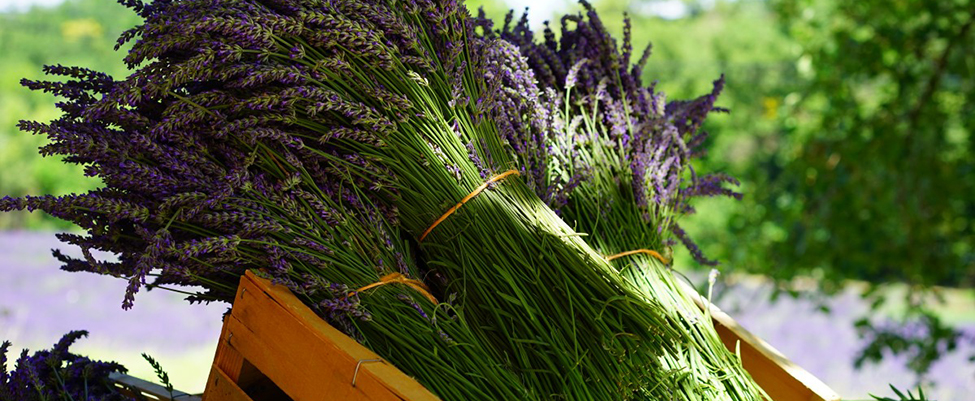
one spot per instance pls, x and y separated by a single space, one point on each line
569 326
57 374
616 164
185 204
318 141
586 84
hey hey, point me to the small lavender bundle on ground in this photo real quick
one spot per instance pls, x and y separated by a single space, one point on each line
57 374
618 159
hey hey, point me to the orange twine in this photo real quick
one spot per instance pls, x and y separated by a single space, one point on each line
646 251
470 196
399 278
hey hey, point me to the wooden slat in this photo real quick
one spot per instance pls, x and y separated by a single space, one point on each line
303 355
221 387
778 376
136 387
227 358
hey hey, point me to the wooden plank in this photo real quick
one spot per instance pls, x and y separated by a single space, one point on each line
304 355
782 379
136 387
221 387
227 364
227 358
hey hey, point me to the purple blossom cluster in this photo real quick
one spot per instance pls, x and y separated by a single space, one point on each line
527 119
57 374
517 106
222 152
584 63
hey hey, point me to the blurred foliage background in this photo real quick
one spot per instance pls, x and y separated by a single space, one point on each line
77 32
851 132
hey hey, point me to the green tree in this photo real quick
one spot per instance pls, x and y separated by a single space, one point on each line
871 174
879 147
850 129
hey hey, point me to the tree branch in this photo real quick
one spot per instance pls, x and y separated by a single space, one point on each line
935 79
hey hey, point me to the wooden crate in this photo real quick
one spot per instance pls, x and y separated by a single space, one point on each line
273 347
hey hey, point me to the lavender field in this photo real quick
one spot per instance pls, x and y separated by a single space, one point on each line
39 303
826 345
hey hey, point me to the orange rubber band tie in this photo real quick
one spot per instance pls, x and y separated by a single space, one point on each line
417 284
401 279
470 196
650 252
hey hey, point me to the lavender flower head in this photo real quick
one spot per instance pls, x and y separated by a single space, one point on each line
654 139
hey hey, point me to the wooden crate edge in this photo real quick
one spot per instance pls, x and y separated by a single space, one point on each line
135 387
802 385
387 374
732 332
256 302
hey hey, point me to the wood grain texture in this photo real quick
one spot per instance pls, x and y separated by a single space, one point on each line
228 358
221 387
135 387
302 354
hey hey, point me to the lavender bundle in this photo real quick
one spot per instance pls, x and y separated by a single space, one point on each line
190 202
319 141
219 205
222 152
620 153
57 374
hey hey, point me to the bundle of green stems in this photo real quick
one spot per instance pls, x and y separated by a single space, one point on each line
328 261
622 155
332 144
708 370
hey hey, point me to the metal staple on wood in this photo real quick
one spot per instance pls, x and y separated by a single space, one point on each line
362 361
